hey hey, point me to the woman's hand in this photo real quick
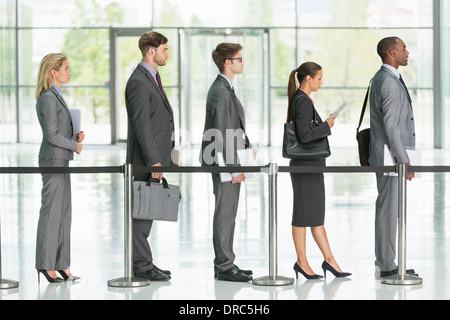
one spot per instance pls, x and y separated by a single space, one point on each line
80 136
80 146
331 122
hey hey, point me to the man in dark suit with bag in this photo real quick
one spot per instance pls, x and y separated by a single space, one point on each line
224 132
150 137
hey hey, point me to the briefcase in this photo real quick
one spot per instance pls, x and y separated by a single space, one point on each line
155 201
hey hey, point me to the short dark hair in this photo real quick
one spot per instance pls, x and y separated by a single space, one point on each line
385 45
151 39
223 52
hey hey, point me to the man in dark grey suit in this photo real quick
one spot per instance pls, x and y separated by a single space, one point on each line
150 137
224 132
391 124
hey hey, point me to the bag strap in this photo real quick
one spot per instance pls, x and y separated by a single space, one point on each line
364 106
163 180
294 100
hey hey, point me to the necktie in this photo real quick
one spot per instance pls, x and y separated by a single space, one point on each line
158 79
404 85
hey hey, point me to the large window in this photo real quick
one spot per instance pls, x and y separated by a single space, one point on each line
341 35
445 69
8 64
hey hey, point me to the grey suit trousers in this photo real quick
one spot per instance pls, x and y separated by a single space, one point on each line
224 222
142 254
55 218
386 218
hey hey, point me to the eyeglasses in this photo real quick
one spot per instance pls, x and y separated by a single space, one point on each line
240 59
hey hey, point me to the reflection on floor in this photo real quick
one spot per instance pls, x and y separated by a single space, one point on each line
185 247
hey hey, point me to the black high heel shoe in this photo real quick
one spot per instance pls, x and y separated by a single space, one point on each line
47 276
297 269
66 277
327 267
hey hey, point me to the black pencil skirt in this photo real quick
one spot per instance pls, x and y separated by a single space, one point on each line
309 195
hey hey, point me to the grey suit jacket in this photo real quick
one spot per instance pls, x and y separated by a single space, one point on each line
224 125
150 122
391 119
53 114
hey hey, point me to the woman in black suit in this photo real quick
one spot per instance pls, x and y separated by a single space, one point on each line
308 188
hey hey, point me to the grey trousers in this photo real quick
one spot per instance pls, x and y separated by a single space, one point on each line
142 254
226 204
55 219
386 220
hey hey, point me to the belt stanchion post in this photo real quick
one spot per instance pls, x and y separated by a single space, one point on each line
273 279
401 278
5 283
128 280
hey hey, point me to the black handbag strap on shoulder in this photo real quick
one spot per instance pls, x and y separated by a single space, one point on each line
292 115
364 106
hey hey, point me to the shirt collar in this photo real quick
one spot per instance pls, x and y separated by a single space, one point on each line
151 69
57 89
391 68
308 95
229 81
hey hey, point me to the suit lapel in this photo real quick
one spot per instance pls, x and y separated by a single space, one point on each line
155 84
400 84
238 107
61 99
237 104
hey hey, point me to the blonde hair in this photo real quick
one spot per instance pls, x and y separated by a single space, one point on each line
52 61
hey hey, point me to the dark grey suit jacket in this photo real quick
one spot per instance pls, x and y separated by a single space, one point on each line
53 114
391 119
224 125
150 122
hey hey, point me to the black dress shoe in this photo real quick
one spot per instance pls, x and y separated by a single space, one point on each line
153 275
166 272
246 272
233 274
395 271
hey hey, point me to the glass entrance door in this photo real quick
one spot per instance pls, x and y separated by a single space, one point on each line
199 72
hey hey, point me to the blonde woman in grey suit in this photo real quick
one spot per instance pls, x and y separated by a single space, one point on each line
57 147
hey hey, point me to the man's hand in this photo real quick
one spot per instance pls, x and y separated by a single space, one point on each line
157 175
240 178
410 175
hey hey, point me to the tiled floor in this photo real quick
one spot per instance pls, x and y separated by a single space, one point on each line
185 247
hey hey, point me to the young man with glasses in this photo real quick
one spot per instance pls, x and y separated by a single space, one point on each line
224 133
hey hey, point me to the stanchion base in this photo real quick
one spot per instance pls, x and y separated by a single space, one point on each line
128 282
402 280
273 281
8 284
